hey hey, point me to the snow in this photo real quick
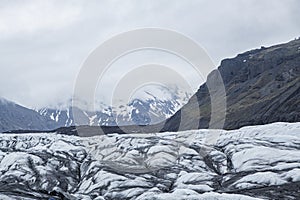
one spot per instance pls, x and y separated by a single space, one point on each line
153 166
293 174
6 197
260 178
268 178
155 103
187 194
52 116
91 120
57 115
248 159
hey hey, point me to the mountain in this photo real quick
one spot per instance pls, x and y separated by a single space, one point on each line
262 86
15 117
151 108
258 162
143 110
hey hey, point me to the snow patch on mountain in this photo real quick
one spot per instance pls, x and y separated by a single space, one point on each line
149 106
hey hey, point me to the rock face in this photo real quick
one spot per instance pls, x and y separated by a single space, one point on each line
249 163
262 86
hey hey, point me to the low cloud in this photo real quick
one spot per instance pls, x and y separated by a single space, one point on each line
44 43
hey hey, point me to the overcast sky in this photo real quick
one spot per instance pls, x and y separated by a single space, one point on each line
44 43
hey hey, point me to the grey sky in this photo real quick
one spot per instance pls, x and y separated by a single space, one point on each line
43 43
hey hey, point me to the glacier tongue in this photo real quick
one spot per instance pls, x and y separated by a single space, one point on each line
249 163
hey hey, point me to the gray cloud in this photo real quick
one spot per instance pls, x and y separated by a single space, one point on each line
43 43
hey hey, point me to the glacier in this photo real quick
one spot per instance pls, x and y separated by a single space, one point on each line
255 162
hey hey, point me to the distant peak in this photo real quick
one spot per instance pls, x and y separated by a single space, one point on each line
5 101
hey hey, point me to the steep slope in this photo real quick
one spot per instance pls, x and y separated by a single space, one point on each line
15 117
262 86
249 163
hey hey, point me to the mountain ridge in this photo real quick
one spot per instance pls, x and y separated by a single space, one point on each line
140 112
262 86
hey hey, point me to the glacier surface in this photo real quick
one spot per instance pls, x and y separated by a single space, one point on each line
257 162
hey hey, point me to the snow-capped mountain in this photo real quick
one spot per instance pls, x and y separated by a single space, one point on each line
150 109
142 110
146 109
258 162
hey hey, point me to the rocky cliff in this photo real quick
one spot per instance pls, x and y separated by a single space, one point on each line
262 86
